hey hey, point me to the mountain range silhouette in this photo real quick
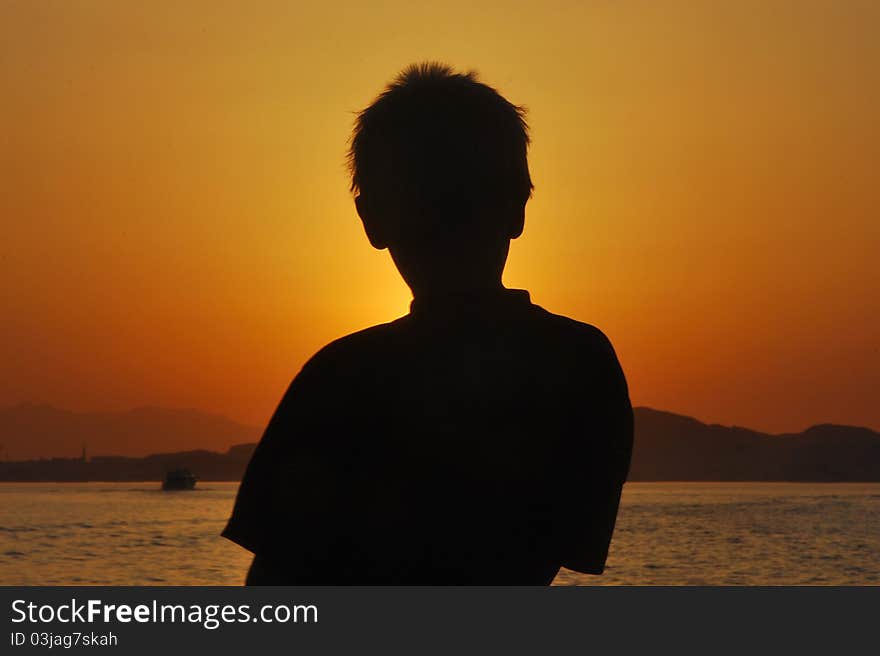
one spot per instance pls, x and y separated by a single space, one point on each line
41 442
29 431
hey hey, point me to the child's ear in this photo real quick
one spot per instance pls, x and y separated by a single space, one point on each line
517 221
372 225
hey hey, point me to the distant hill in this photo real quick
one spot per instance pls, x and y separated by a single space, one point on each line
668 447
30 431
206 465
671 447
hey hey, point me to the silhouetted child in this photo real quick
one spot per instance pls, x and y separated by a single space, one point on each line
477 440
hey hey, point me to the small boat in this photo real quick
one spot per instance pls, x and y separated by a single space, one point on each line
179 479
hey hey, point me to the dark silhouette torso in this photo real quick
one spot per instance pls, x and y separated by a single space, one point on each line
476 440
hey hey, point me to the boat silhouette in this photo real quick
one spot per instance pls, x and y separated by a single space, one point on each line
179 479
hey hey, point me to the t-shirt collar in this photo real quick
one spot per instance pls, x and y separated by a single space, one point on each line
496 300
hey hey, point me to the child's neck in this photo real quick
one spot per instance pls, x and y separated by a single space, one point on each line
458 288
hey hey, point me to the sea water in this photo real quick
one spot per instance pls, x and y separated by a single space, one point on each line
667 534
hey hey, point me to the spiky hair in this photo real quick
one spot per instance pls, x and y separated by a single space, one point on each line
444 138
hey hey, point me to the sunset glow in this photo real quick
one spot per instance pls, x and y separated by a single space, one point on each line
178 231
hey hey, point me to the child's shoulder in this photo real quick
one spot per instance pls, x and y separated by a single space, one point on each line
571 330
369 342
584 347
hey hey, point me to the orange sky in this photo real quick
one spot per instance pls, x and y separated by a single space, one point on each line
177 231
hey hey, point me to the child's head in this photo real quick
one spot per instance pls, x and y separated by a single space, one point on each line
439 168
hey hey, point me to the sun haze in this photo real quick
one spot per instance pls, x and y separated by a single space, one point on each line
178 230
